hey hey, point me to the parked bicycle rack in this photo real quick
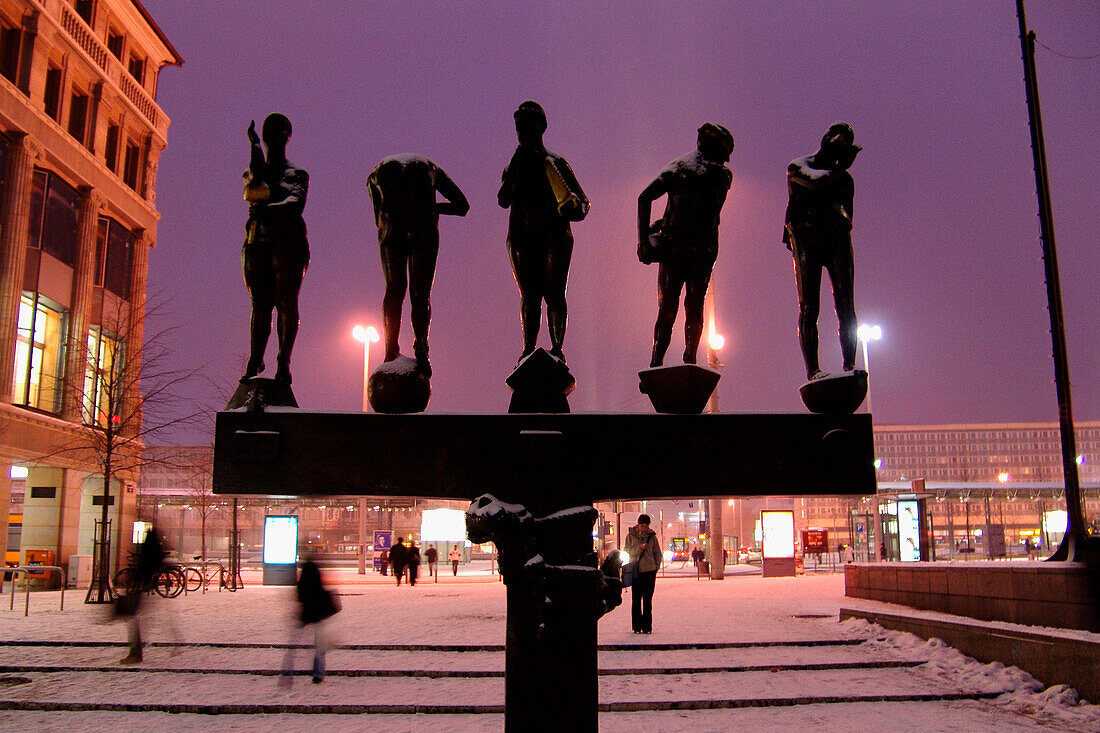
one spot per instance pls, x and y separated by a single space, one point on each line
201 567
27 570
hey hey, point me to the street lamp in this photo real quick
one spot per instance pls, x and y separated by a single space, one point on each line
867 333
365 335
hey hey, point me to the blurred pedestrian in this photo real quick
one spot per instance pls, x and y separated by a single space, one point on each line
849 554
413 560
882 551
318 604
433 556
455 556
645 553
383 561
146 562
399 557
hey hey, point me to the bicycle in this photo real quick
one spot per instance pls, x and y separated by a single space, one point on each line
168 582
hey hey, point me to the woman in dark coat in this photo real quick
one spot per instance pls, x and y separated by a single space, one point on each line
413 559
318 604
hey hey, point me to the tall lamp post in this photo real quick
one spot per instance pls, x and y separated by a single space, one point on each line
867 333
715 530
366 335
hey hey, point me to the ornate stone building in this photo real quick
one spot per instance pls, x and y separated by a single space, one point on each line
80 136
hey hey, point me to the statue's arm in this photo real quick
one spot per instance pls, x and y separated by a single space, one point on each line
506 194
296 185
645 207
375 199
801 173
456 203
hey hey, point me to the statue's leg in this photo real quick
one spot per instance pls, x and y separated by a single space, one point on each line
807 274
694 300
395 257
421 274
290 266
669 283
261 290
557 278
525 268
842 275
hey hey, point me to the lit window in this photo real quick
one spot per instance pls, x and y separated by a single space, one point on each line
39 353
102 378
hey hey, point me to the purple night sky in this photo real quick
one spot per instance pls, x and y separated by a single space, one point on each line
948 259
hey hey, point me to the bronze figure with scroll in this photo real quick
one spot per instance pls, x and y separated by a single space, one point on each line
276 250
543 196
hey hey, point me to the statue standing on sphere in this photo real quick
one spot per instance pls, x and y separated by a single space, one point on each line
818 233
403 191
276 250
685 240
543 196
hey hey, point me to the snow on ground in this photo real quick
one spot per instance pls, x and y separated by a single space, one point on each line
470 610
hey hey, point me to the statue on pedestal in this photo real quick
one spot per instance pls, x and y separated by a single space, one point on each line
543 196
685 240
818 232
403 191
276 251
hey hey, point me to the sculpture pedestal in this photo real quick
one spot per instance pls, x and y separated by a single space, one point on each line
540 383
256 393
679 390
556 594
398 387
835 394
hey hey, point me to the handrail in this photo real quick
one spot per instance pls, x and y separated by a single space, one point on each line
27 570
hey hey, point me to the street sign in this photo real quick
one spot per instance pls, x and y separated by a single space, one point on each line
859 527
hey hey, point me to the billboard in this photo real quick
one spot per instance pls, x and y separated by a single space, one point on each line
383 540
908 531
777 528
815 541
280 540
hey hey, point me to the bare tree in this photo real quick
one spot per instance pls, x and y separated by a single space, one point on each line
131 393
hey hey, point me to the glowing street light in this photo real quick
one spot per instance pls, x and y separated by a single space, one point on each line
365 335
867 333
1004 477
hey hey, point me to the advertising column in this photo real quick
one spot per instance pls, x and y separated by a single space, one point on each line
777 543
280 550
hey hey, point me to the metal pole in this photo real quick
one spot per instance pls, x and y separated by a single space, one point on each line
1073 542
363 532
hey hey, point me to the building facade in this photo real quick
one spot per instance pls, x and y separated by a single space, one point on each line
80 137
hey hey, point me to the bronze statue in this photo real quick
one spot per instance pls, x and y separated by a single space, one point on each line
403 191
543 194
276 251
685 240
818 233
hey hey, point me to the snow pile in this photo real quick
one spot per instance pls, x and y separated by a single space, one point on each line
1023 693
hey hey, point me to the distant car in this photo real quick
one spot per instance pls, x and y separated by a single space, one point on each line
748 554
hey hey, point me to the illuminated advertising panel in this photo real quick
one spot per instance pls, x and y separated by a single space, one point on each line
908 531
443 525
280 540
777 528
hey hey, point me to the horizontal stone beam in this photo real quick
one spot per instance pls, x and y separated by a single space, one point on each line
569 459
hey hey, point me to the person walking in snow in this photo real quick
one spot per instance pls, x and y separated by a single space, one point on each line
413 560
455 556
318 605
645 553
399 557
433 556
